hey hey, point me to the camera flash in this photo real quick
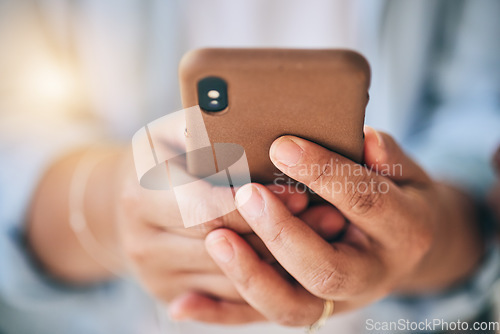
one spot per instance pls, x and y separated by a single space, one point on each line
214 102
213 94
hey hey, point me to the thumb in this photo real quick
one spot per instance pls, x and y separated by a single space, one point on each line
384 155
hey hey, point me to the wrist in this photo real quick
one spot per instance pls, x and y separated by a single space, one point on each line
99 207
457 247
52 224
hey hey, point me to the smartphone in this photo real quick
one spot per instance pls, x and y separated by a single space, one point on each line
250 97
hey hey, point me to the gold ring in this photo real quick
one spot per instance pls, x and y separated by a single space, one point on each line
328 308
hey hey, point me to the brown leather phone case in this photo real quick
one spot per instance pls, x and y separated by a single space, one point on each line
319 95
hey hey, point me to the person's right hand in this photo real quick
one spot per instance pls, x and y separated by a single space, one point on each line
407 234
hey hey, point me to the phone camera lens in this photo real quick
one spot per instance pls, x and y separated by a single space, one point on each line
212 94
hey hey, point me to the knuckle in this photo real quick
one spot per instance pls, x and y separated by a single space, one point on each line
322 173
289 318
284 227
246 280
327 281
277 237
364 196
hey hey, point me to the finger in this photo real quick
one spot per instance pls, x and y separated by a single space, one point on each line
168 286
184 254
215 285
259 247
293 199
162 208
198 307
327 271
325 220
360 194
257 281
199 207
383 154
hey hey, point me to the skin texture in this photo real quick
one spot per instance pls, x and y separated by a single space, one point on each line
420 236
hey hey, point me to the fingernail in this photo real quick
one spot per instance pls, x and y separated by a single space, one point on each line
380 141
221 249
287 152
249 200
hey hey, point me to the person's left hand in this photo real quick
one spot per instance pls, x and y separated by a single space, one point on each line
406 233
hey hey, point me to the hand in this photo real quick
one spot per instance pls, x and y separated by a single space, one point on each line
172 261
169 259
131 227
323 219
407 233
144 227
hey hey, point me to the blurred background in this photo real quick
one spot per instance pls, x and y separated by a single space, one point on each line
75 72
